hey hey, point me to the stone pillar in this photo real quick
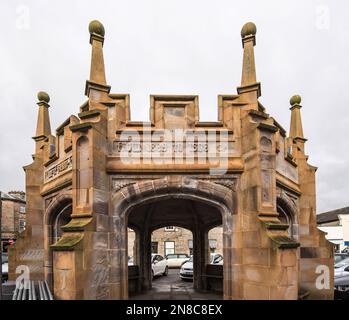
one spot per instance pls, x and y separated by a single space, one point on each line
29 247
67 272
316 253
200 257
146 269
118 256
137 249
269 255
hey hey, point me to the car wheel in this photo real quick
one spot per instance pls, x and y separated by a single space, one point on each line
166 271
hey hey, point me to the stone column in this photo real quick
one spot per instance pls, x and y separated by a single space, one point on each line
145 267
200 257
118 256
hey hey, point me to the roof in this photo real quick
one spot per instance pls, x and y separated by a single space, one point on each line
11 197
331 215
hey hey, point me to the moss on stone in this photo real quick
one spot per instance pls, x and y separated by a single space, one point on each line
272 225
249 28
76 224
96 27
68 242
284 242
43 96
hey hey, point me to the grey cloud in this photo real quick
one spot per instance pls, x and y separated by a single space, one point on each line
177 47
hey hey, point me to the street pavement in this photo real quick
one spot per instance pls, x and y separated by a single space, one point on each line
172 287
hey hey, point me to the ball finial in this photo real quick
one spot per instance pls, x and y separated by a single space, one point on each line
249 28
296 99
96 27
43 97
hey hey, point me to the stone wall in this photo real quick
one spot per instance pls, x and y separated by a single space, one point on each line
11 216
181 238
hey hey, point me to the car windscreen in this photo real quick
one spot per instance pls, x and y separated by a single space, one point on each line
342 263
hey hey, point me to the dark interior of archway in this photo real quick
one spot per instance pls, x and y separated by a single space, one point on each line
194 215
175 211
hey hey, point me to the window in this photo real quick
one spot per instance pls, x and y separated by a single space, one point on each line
52 149
21 225
22 209
170 228
190 246
154 247
169 247
213 245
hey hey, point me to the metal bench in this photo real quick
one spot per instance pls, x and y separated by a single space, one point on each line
32 291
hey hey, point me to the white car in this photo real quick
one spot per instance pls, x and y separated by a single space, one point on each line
175 260
158 265
4 267
216 258
187 270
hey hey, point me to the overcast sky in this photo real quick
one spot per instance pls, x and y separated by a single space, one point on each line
179 47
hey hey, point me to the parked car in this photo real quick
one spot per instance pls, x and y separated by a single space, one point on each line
130 261
216 258
187 269
186 272
338 257
158 265
341 279
4 267
175 260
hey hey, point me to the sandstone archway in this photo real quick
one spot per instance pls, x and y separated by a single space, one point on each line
214 201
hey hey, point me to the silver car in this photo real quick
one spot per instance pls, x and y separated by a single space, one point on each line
341 279
187 270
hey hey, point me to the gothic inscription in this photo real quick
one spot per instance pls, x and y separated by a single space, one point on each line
58 169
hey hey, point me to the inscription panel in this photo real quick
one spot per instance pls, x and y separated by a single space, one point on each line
58 169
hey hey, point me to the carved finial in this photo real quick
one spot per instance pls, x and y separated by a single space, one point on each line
96 27
43 97
296 128
43 127
295 100
248 29
249 78
97 79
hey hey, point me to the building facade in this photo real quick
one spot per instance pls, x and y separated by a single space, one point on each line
13 217
335 224
102 173
172 239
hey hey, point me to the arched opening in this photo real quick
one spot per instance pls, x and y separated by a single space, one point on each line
62 218
287 215
173 230
57 216
83 171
